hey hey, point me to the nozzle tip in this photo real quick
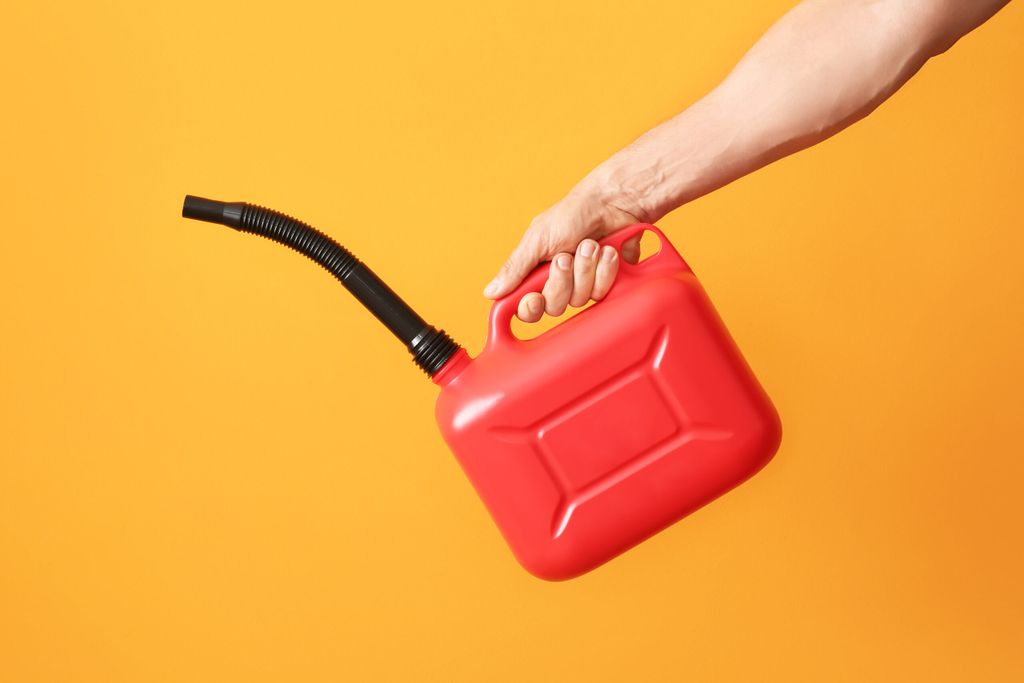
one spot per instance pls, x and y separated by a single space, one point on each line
202 209
211 210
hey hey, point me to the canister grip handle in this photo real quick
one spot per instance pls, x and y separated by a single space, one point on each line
667 259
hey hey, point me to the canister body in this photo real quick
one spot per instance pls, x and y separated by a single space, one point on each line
611 426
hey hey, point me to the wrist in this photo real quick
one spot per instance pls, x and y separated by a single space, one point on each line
618 193
676 162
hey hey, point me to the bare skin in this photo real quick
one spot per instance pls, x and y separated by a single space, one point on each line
823 66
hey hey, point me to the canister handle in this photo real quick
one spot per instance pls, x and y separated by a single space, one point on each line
667 259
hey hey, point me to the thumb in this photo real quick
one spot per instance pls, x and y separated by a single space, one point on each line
523 260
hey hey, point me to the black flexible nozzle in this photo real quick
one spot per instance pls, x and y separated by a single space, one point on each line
431 348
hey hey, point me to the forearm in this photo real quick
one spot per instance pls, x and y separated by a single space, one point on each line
821 67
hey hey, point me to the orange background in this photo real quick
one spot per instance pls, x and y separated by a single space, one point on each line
214 466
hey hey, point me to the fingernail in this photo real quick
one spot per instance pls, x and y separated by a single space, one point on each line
563 261
588 248
608 254
491 288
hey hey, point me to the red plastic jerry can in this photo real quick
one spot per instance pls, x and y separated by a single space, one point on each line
596 434
610 426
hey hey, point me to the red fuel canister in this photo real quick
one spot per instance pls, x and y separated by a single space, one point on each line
598 433
610 426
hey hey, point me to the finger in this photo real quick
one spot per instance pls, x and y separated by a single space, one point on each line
607 267
523 259
631 249
583 269
531 307
559 285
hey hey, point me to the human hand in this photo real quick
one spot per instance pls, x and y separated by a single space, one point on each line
580 270
741 125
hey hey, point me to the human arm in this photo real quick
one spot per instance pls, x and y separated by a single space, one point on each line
821 67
